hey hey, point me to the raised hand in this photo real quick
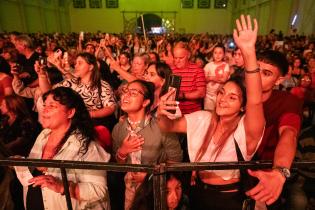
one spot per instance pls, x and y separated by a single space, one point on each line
245 36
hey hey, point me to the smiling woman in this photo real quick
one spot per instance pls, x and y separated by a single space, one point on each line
68 135
238 119
137 138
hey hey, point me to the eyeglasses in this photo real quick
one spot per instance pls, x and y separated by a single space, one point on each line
132 92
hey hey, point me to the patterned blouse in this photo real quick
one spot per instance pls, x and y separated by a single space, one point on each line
92 99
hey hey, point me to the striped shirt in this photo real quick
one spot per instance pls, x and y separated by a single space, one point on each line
193 77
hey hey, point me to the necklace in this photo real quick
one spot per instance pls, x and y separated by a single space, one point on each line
132 122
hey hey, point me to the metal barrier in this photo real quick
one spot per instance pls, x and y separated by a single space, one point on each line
158 171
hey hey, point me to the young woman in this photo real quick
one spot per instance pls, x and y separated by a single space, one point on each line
238 120
18 130
137 138
175 198
96 93
159 75
296 70
217 72
68 135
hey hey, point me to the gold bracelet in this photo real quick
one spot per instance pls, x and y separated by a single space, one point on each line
252 71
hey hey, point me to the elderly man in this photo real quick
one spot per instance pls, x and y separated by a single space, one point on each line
193 85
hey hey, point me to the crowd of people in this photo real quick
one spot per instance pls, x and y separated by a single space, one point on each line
106 98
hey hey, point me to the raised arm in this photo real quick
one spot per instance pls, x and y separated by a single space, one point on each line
245 37
124 74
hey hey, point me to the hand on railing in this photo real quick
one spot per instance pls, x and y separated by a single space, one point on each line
269 187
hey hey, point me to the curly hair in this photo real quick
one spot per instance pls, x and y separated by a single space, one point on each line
81 123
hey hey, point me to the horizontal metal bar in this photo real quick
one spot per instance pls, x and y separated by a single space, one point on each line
147 168
77 165
232 165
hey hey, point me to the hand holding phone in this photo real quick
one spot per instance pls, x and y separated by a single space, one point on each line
174 83
81 36
57 54
42 61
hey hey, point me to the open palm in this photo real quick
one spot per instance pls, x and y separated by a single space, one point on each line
245 36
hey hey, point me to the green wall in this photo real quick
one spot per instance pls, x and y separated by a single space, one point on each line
186 20
271 14
34 16
49 16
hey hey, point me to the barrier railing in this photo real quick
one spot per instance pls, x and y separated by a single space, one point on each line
158 171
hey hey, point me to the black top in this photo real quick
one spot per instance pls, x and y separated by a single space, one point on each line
28 66
19 138
34 197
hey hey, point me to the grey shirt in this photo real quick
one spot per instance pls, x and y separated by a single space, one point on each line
158 147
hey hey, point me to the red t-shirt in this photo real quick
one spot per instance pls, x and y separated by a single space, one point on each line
299 92
281 109
193 77
5 82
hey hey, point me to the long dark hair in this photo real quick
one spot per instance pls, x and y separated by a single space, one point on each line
81 123
214 123
164 71
17 105
96 74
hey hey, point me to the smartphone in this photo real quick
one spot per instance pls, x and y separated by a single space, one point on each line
66 57
81 36
42 61
174 83
57 54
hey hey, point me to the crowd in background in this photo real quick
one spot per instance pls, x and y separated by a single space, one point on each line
60 92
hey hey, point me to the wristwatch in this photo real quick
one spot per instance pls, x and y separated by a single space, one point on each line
283 170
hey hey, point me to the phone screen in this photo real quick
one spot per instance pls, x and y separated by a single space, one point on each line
57 54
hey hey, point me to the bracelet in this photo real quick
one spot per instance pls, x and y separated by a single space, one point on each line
252 71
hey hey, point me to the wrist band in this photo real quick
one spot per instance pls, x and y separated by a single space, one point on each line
252 71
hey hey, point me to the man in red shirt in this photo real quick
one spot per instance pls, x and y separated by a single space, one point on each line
193 85
283 119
